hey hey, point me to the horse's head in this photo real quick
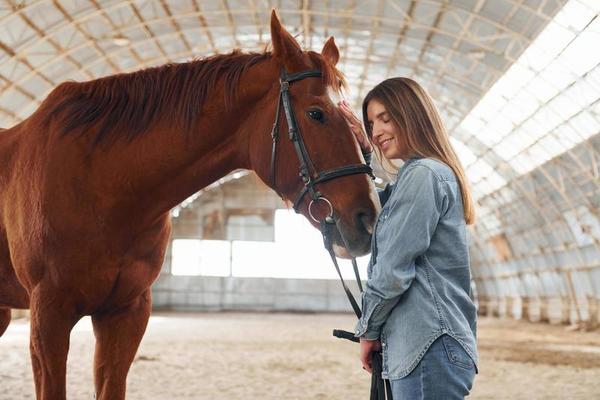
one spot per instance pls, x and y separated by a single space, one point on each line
322 143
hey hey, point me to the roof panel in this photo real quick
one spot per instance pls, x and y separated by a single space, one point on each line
458 49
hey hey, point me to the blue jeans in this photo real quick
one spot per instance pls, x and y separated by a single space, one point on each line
446 372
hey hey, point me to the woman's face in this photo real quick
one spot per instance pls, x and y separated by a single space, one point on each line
386 134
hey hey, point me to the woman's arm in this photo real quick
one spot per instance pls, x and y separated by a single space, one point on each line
412 213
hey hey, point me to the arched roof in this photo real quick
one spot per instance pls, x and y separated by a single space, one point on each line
517 83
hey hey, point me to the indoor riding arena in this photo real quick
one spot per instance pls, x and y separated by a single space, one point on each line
244 295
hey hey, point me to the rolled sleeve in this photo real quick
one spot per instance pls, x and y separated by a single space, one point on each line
412 215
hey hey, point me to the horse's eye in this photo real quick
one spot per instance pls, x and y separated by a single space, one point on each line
317 115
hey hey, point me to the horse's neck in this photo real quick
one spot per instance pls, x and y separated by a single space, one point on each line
170 166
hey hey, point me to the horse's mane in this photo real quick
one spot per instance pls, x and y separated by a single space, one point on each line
126 105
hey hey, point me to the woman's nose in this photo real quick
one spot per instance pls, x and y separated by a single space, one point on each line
376 132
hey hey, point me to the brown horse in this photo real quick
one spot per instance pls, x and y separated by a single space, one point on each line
88 180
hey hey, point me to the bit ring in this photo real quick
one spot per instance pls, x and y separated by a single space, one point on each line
330 216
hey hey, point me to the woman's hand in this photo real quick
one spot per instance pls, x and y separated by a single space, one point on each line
356 126
366 348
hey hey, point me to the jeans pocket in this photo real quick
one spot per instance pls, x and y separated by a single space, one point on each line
456 354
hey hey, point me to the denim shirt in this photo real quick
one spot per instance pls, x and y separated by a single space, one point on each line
419 279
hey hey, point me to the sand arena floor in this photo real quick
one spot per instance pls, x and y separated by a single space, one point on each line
293 356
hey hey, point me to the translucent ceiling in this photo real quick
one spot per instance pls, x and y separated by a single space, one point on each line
501 91
547 102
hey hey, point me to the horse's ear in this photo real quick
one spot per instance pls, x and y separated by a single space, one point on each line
330 52
285 47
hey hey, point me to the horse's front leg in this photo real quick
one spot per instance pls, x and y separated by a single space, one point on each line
118 335
52 319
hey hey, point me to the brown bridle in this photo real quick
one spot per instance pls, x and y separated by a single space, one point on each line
309 178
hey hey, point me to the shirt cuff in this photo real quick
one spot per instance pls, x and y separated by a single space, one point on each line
366 327
363 332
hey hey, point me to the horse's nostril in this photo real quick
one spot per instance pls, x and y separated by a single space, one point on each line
364 222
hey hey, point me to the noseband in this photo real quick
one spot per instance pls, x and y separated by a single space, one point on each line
309 178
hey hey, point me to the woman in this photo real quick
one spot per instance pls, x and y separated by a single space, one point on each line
416 305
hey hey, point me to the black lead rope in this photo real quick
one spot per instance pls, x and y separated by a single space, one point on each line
326 226
380 388
357 274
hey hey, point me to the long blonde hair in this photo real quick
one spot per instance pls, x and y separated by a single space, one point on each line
419 122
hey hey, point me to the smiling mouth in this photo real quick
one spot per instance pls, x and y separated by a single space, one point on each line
385 141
